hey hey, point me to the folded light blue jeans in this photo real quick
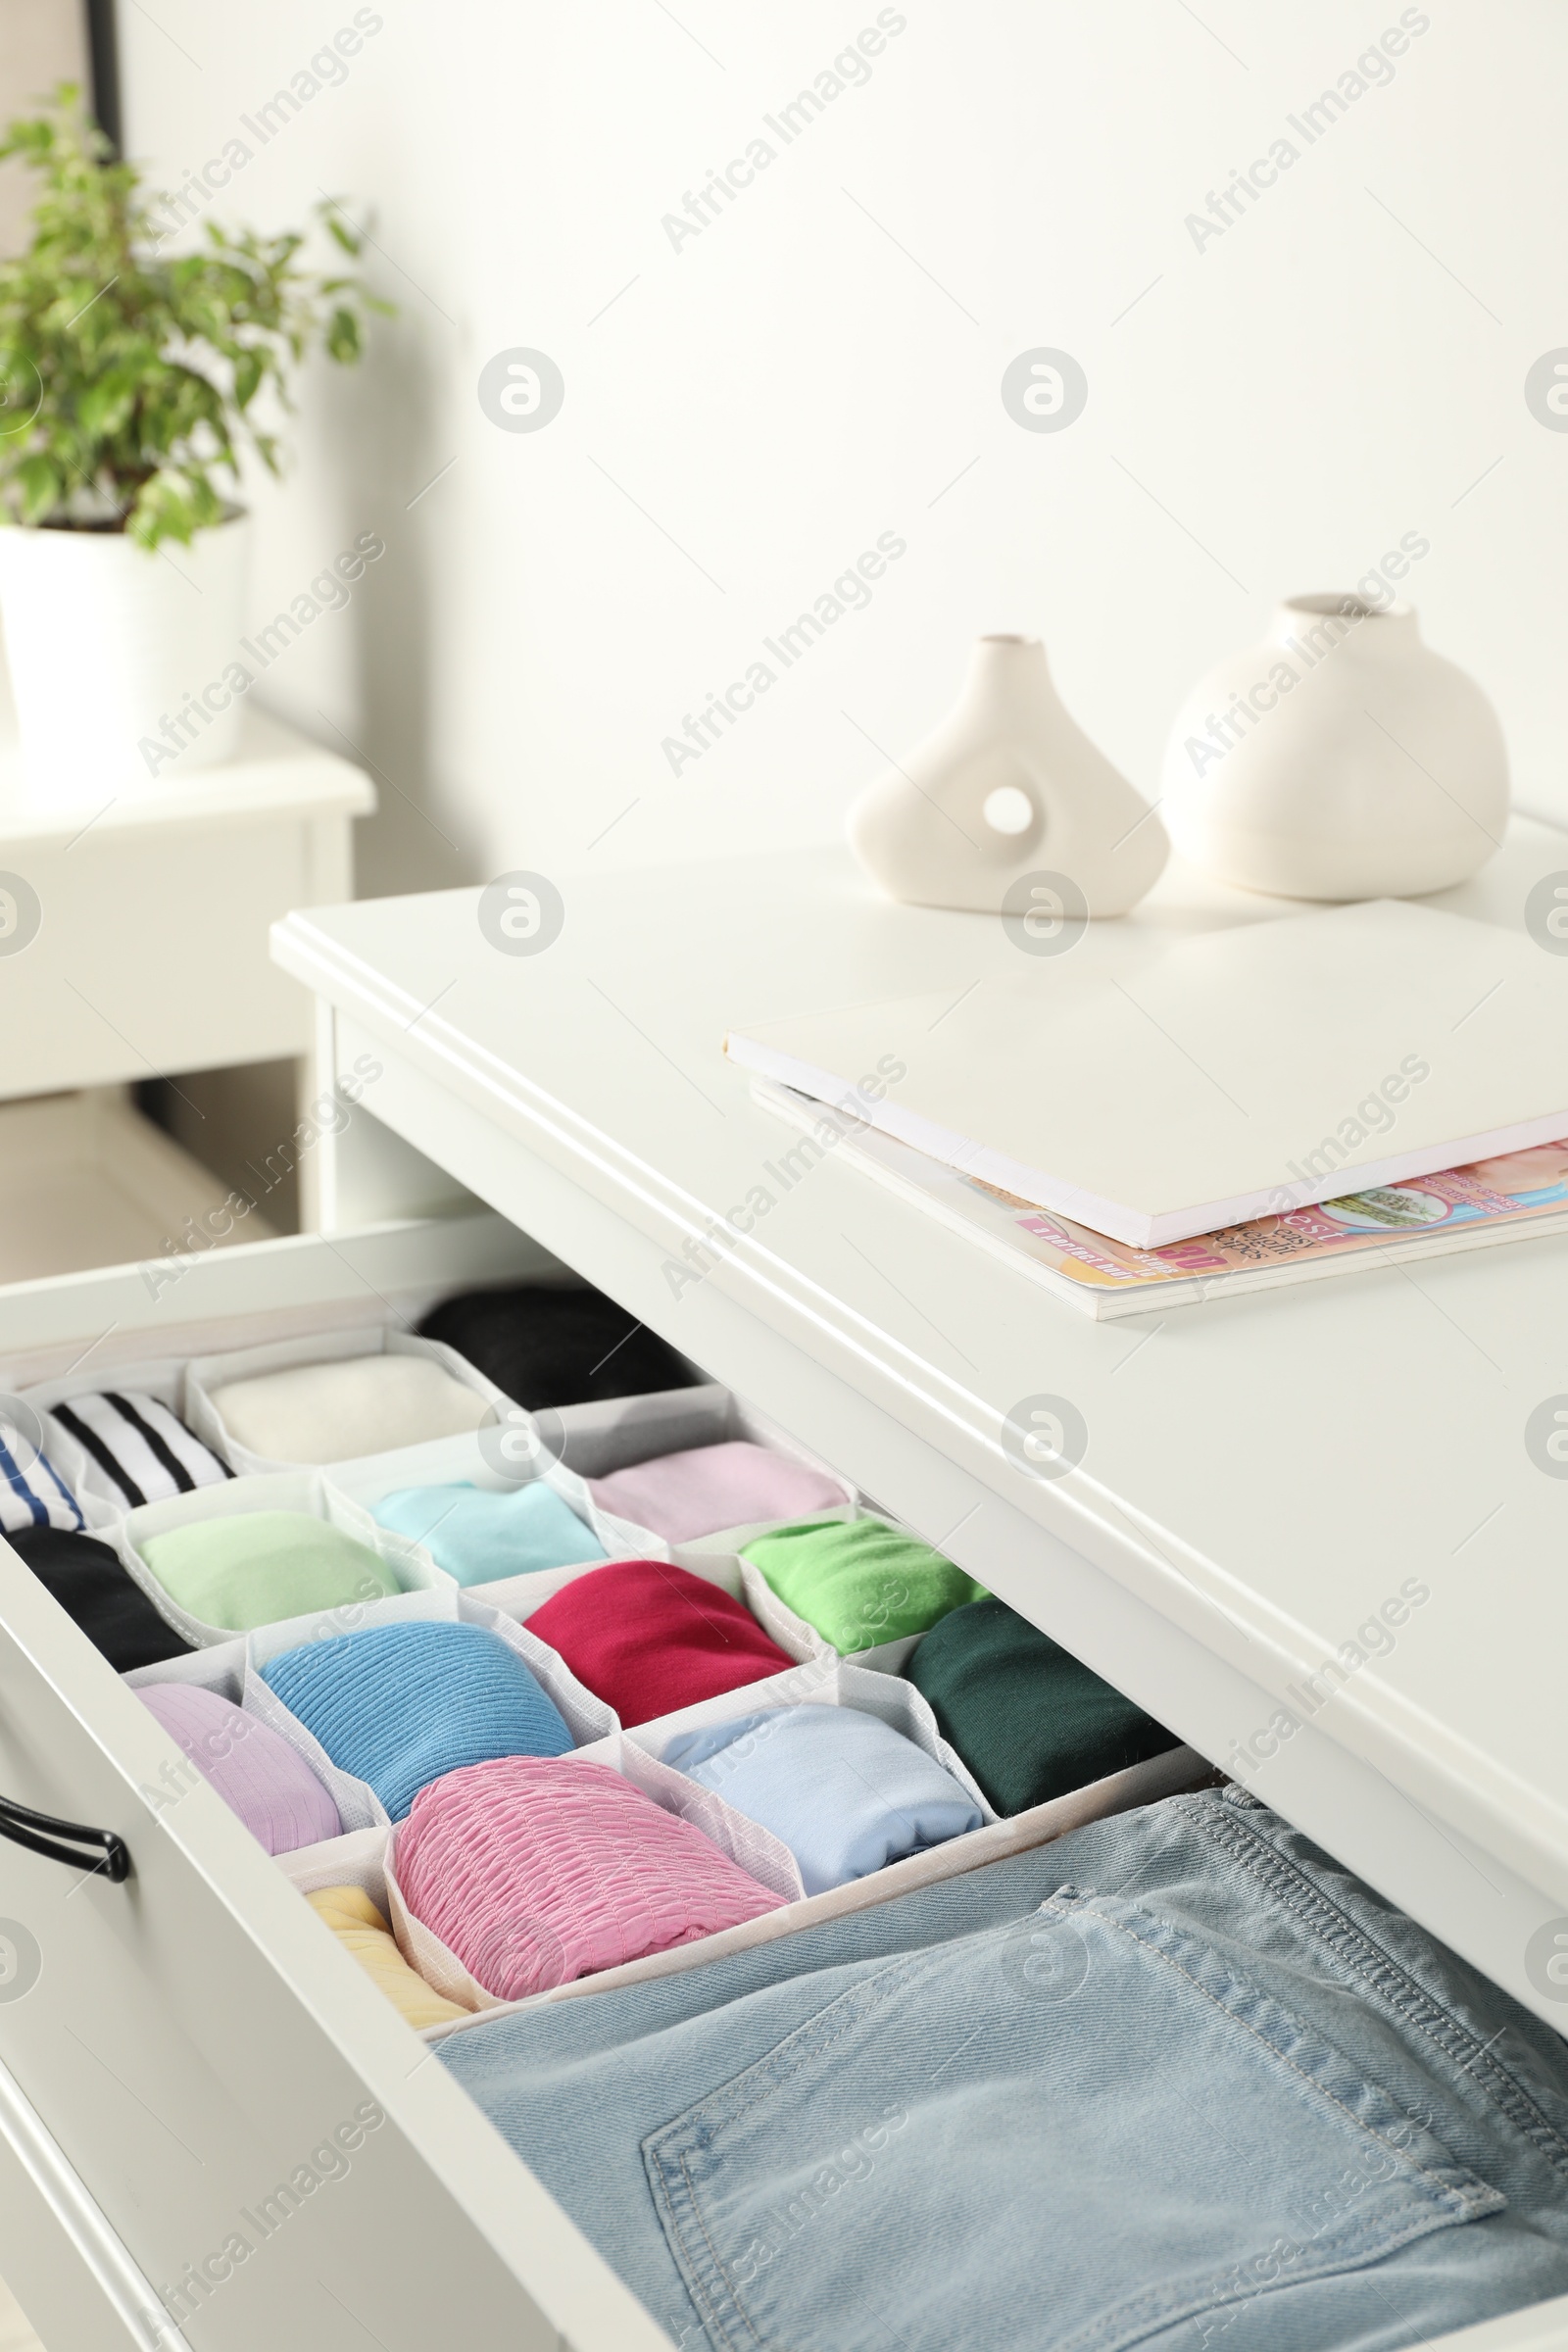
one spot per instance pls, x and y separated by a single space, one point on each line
1176 2079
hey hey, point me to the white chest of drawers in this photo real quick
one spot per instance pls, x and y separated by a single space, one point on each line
1260 1477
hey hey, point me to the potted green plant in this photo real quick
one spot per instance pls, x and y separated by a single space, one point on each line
133 384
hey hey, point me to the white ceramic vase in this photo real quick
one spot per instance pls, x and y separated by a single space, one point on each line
1341 759
1008 786
113 650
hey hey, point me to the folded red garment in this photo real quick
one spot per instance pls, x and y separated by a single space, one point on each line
649 1638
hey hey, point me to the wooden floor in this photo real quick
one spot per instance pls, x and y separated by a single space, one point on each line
14 2334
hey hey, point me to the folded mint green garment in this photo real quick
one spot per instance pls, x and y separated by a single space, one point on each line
477 1535
859 1581
254 1567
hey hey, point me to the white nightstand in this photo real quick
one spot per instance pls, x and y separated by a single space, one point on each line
143 921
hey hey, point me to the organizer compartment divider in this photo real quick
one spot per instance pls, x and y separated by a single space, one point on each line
102 1504
463 1460
306 1490
587 1717
1120 1793
206 1373
830 1682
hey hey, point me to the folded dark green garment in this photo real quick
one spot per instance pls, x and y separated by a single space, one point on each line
1030 1720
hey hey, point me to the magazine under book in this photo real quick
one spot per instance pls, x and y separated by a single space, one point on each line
1514 1196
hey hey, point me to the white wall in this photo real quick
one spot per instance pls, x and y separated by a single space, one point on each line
42 43
821 365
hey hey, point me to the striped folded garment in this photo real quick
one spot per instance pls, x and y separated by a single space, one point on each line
33 1492
143 1449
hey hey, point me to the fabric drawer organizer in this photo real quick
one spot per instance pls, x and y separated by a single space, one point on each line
734 2253
656 1447
235 1669
689 1455
366 1860
111 1451
305 1494
429 1386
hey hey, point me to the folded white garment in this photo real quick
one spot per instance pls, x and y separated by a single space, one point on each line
336 1412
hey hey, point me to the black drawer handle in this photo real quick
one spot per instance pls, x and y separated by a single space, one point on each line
40 1833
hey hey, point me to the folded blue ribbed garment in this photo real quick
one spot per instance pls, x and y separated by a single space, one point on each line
398 1705
844 1790
477 1534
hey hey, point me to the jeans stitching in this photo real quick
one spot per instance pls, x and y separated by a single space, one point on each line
714 2257
1507 2094
766 2090
1264 1862
1439 2187
1445 2196
759 2098
1336 2252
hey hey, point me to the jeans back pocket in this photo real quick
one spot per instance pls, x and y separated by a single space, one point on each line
1071 2131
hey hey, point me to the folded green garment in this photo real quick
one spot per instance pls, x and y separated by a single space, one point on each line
253 1567
859 1581
1030 1721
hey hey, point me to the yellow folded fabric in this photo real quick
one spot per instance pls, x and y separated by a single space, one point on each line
361 1930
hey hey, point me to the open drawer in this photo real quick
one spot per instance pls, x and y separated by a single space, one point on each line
198 2092
174 2049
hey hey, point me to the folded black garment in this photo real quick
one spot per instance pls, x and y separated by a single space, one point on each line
91 1586
1030 1720
546 1344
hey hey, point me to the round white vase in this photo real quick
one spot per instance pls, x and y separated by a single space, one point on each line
116 656
1341 759
1009 786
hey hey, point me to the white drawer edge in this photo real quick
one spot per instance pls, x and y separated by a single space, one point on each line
1539 2327
124 2286
299 1272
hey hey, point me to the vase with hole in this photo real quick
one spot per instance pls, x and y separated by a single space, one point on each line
1009 788
1341 759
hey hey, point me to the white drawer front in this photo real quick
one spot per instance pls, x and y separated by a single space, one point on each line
202 2099
233 2114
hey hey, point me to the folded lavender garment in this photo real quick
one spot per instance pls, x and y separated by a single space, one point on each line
252 1767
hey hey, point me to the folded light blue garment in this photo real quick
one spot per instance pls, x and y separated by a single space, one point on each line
399 1705
845 1791
477 1534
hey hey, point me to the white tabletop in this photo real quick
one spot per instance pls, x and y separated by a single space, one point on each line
1266 1471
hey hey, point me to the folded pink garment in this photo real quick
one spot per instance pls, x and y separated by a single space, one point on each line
536 1870
252 1767
683 1496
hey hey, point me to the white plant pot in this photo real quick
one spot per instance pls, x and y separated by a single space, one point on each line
1341 759
928 830
117 654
